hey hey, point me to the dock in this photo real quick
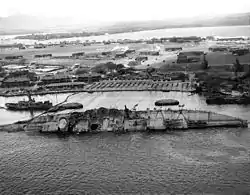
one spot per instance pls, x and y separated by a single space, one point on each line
140 85
107 86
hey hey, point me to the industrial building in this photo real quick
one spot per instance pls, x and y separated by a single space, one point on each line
79 54
190 56
150 53
89 78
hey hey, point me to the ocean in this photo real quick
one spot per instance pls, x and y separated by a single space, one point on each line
212 161
222 31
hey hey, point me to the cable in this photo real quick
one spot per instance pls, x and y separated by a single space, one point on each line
29 121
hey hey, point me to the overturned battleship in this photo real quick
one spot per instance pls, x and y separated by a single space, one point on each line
118 120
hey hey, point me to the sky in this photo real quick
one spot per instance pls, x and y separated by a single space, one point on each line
122 10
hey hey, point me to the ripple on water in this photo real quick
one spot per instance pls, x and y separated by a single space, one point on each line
114 164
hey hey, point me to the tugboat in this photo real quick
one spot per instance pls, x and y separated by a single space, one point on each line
31 104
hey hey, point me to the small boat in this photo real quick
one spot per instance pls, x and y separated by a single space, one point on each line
31 104
167 102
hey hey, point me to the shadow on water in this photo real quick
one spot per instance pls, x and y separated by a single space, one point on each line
48 135
175 133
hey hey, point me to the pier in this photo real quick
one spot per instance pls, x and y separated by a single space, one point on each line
140 85
106 86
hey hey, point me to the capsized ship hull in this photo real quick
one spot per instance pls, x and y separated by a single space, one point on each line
103 119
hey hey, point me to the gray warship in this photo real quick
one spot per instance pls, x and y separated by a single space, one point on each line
126 120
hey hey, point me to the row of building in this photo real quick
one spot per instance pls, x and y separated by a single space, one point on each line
19 79
63 78
190 56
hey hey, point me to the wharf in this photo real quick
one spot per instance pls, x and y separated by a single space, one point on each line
140 85
110 86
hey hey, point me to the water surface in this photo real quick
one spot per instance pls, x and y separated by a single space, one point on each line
214 161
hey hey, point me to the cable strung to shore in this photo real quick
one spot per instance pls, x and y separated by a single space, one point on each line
30 120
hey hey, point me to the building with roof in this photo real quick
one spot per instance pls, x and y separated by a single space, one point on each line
68 85
59 78
88 78
149 53
128 51
106 53
16 82
141 58
190 56
39 46
79 54
173 48
13 57
42 55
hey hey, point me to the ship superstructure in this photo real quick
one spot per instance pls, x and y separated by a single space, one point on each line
116 120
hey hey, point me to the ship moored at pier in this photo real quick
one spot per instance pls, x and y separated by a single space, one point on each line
31 104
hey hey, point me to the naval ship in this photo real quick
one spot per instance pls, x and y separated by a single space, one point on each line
31 104
126 120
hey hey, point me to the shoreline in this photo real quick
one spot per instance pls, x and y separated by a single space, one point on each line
118 32
111 86
90 91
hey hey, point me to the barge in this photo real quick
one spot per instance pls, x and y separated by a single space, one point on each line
166 102
223 99
116 120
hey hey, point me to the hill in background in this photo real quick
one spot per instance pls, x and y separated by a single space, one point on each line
22 24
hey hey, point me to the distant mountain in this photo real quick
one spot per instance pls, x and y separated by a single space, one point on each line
22 24
225 20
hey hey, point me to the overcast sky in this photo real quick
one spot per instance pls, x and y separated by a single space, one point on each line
121 10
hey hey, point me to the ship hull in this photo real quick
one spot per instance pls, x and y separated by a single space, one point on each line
113 120
226 100
16 107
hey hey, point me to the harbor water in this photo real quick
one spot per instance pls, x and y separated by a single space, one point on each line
221 31
213 161
120 99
